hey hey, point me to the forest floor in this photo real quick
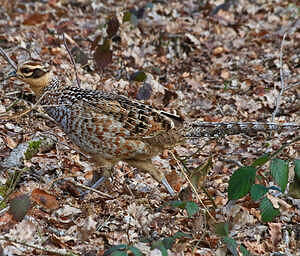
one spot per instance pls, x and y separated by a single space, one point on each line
203 60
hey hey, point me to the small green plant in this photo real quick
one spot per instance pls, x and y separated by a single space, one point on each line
122 250
33 149
190 207
167 243
163 245
222 229
243 181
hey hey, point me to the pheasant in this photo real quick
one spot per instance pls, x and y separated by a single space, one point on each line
110 127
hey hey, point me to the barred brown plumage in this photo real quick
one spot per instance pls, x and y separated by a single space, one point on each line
111 127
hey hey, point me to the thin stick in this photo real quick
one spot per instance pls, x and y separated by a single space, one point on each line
61 252
292 86
91 189
238 163
72 60
8 59
281 81
192 186
27 110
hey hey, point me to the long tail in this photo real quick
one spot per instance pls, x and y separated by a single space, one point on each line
213 130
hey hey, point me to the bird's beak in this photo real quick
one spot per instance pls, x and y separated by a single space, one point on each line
12 74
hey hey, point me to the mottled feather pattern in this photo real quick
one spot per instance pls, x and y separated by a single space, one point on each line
107 123
111 127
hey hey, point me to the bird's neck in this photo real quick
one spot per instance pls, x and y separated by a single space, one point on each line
53 83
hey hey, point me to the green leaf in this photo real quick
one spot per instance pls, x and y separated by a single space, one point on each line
280 172
139 76
135 251
297 169
126 16
179 234
231 245
168 242
159 245
19 206
130 17
178 204
240 182
191 208
268 212
261 160
119 253
164 251
115 248
258 191
244 251
199 174
222 229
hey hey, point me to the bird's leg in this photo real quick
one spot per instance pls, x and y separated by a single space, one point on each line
147 166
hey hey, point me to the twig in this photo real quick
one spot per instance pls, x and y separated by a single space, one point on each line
28 110
283 146
43 249
193 188
92 189
4 210
8 59
281 81
292 86
237 162
72 60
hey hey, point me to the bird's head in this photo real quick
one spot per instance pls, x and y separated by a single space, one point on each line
34 73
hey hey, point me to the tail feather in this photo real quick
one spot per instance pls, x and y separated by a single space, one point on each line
210 129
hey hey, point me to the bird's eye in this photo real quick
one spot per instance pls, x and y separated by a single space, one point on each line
26 70
37 73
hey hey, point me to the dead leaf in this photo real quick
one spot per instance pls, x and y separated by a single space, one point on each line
225 74
103 55
11 143
218 50
35 18
112 27
275 233
174 180
44 199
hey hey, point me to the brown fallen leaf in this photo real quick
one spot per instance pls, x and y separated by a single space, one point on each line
35 18
103 55
275 233
11 143
44 199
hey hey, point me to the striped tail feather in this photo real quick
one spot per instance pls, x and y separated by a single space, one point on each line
199 129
